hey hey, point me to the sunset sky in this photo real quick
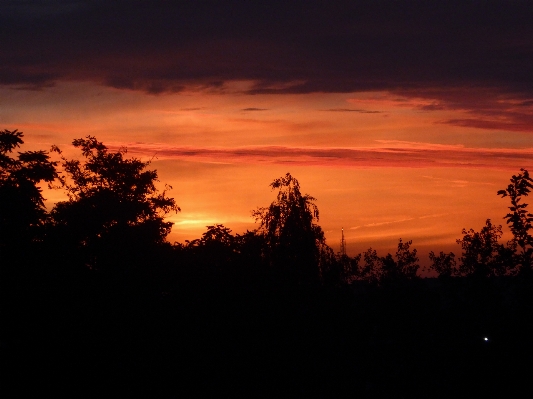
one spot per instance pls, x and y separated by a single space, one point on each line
403 118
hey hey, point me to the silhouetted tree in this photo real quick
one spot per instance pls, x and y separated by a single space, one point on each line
483 255
22 210
114 207
346 268
520 219
404 267
24 279
251 247
294 241
370 270
384 269
444 264
216 248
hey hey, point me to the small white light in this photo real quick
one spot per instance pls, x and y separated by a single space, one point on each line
486 339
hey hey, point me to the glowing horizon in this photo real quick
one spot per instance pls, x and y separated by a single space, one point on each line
381 186
397 131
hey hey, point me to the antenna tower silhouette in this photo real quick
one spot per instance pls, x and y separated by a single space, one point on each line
343 244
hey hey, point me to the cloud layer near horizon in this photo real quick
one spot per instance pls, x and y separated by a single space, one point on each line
389 154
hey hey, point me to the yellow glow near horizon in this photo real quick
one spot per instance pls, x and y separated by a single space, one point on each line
425 178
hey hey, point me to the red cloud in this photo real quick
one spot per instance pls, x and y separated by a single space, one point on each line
392 154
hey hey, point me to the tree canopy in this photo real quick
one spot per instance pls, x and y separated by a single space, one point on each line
520 219
114 208
22 209
288 226
112 199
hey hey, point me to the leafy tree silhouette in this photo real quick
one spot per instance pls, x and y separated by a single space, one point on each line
371 269
216 248
218 233
379 270
444 264
344 269
24 277
22 210
520 219
404 267
114 207
483 255
295 243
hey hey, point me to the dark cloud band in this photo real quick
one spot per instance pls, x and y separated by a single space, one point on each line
284 47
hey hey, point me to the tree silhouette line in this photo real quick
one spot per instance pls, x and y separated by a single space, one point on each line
95 276
114 211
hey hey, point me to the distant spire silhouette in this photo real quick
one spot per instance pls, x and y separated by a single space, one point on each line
343 243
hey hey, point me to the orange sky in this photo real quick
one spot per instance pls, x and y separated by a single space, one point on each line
382 165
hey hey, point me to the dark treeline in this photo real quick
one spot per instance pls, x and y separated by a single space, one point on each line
95 300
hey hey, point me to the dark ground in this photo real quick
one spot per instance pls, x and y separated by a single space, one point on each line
91 336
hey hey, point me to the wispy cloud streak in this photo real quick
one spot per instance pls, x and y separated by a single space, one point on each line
391 154
361 111
380 224
251 109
